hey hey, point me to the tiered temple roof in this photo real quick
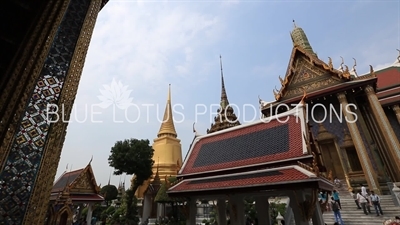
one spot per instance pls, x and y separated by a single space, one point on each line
307 72
264 154
226 117
80 185
388 86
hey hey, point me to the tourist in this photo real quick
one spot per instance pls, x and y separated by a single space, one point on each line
376 202
335 195
322 197
337 183
336 211
363 190
363 200
354 195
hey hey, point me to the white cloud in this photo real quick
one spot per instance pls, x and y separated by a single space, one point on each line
136 44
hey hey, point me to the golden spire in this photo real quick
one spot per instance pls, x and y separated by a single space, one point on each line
299 38
226 117
224 98
167 127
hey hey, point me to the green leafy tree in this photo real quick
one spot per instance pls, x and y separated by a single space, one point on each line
110 192
133 157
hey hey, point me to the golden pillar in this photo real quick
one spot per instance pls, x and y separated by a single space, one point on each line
385 128
396 109
57 62
366 163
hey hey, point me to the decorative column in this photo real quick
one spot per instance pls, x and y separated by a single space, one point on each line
385 127
191 219
317 217
366 163
262 207
221 207
236 210
89 213
296 199
396 109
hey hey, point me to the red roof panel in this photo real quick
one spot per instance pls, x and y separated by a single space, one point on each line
258 178
388 77
262 142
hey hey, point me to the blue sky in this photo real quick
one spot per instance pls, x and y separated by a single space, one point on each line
146 45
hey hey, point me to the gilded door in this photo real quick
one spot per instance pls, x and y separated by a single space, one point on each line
331 159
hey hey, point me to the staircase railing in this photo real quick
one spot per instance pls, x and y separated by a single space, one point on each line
395 199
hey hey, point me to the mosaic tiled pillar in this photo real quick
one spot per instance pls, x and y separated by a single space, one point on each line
385 128
366 163
16 92
33 156
396 109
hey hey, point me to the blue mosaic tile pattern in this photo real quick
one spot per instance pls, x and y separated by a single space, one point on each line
19 174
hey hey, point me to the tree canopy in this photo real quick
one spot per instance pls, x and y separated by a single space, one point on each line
132 156
110 192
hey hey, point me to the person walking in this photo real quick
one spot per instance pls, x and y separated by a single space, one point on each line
363 190
336 211
354 195
335 196
376 202
363 202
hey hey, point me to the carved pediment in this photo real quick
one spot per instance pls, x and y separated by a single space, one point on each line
307 73
84 182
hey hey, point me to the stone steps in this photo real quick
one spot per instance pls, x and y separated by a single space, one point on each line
353 216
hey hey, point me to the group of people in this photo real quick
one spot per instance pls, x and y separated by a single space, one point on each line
364 200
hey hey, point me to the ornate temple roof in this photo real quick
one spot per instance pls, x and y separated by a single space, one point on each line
79 185
226 117
306 72
388 85
263 155
248 145
267 178
167 126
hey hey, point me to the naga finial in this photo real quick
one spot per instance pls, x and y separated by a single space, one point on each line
341 64
259 100
398 57
304 95
354 67
371 69
282 81
194 129
330 64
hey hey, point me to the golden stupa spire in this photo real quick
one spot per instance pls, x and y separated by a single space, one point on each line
167 126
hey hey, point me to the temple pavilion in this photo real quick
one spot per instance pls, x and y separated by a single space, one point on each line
73 191
359 144
295 150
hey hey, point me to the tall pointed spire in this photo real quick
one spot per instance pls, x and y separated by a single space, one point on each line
299 38
224 98
226 116
167 127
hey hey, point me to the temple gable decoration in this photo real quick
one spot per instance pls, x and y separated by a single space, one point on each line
306 72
